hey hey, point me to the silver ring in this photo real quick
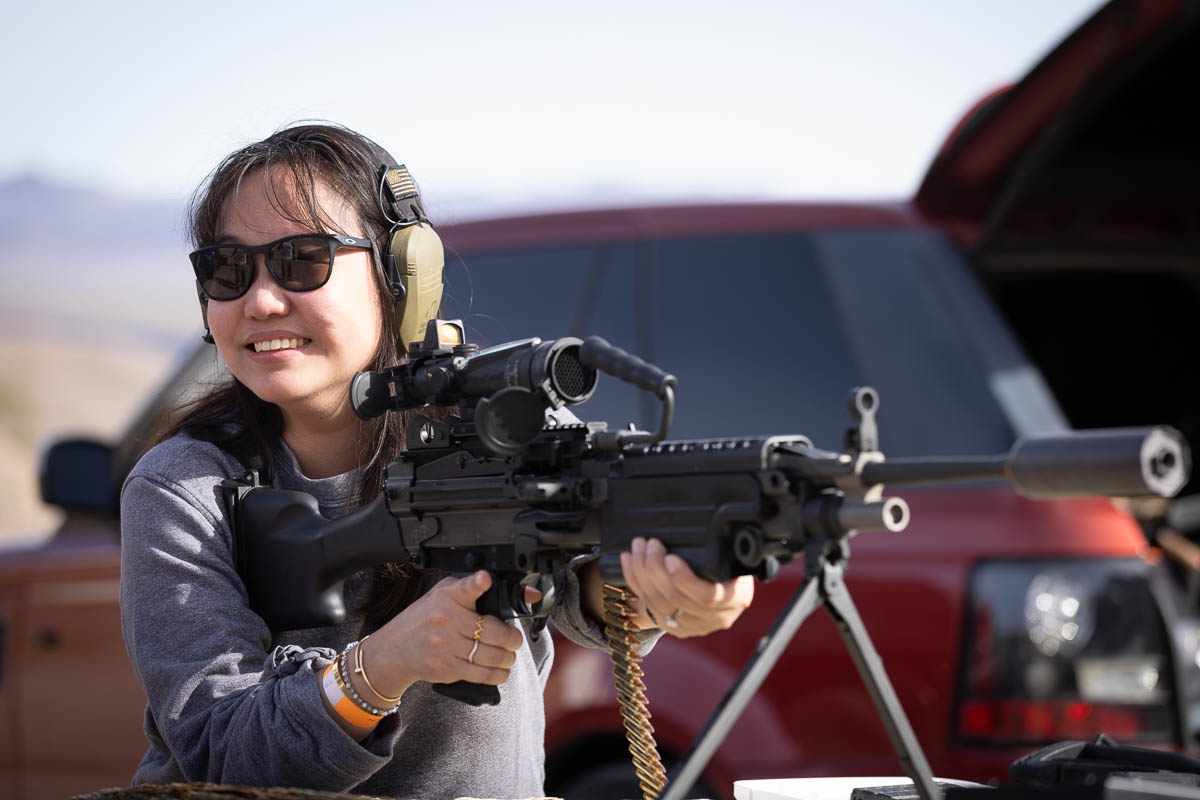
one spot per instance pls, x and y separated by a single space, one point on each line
471 655
673 620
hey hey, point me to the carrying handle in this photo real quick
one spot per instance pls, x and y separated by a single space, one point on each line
599 354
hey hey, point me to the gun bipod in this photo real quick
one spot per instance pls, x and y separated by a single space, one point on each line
823 586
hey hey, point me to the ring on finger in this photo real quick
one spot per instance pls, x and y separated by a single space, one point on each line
673 620
475 640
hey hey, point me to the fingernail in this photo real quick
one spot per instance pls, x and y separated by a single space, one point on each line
638 545
655 547
624 561
480 579
674 564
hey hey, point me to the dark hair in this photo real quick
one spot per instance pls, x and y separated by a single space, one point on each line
295 159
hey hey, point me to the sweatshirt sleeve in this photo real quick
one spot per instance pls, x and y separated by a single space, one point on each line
227 710
573 622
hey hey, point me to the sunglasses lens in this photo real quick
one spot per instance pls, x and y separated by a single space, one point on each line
224 272
301 263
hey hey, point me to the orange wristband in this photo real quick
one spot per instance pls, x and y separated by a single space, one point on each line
342 704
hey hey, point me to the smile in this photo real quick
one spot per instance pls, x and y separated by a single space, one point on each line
279 344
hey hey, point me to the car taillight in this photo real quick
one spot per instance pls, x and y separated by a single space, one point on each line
1064 650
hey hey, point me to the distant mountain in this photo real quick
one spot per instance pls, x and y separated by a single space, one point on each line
35 211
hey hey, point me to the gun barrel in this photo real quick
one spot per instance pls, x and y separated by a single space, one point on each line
935 469
1117 462
891 514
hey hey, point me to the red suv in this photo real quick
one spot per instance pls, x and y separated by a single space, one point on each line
1043 277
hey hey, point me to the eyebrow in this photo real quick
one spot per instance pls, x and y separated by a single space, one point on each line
228 239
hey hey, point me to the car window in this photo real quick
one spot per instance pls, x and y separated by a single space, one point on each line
766 333
911 344
509 296
749 326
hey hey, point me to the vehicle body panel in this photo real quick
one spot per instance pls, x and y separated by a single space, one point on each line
66 669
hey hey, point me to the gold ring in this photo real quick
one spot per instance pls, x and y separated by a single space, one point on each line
478 630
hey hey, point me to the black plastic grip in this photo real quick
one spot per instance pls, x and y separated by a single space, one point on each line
599 354
475 694
1112 461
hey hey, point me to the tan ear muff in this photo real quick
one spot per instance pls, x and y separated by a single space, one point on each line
419 261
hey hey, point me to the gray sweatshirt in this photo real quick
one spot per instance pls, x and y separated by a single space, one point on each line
230 703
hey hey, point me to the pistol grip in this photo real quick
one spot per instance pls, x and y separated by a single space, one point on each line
493 602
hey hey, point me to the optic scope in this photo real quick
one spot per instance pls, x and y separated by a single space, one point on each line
444 370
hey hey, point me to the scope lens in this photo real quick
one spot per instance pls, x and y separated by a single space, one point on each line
573 381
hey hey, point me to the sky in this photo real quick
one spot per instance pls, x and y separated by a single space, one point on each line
518 103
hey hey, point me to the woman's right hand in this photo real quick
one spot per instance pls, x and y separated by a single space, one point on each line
432 639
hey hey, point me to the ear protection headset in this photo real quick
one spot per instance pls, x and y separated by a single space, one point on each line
413 258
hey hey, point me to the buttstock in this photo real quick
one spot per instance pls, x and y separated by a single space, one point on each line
279 559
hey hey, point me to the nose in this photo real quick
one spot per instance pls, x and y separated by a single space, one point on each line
265 298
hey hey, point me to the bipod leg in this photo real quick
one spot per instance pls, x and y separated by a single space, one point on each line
912 759
766 654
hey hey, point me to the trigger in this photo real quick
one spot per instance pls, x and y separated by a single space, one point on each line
545 585
516 600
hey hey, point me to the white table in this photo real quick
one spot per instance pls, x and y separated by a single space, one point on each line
817 788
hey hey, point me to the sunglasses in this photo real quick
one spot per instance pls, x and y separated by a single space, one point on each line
297 263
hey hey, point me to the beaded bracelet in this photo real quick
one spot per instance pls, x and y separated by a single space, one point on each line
350 692
348 688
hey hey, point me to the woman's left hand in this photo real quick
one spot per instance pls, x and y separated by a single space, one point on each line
677 600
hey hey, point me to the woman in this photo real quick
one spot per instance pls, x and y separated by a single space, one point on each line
348 707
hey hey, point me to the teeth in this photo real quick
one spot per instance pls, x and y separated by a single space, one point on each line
279 344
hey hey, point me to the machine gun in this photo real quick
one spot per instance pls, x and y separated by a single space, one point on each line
504 487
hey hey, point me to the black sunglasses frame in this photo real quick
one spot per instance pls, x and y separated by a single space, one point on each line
336 241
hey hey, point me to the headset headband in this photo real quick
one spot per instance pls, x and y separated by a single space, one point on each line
399 197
